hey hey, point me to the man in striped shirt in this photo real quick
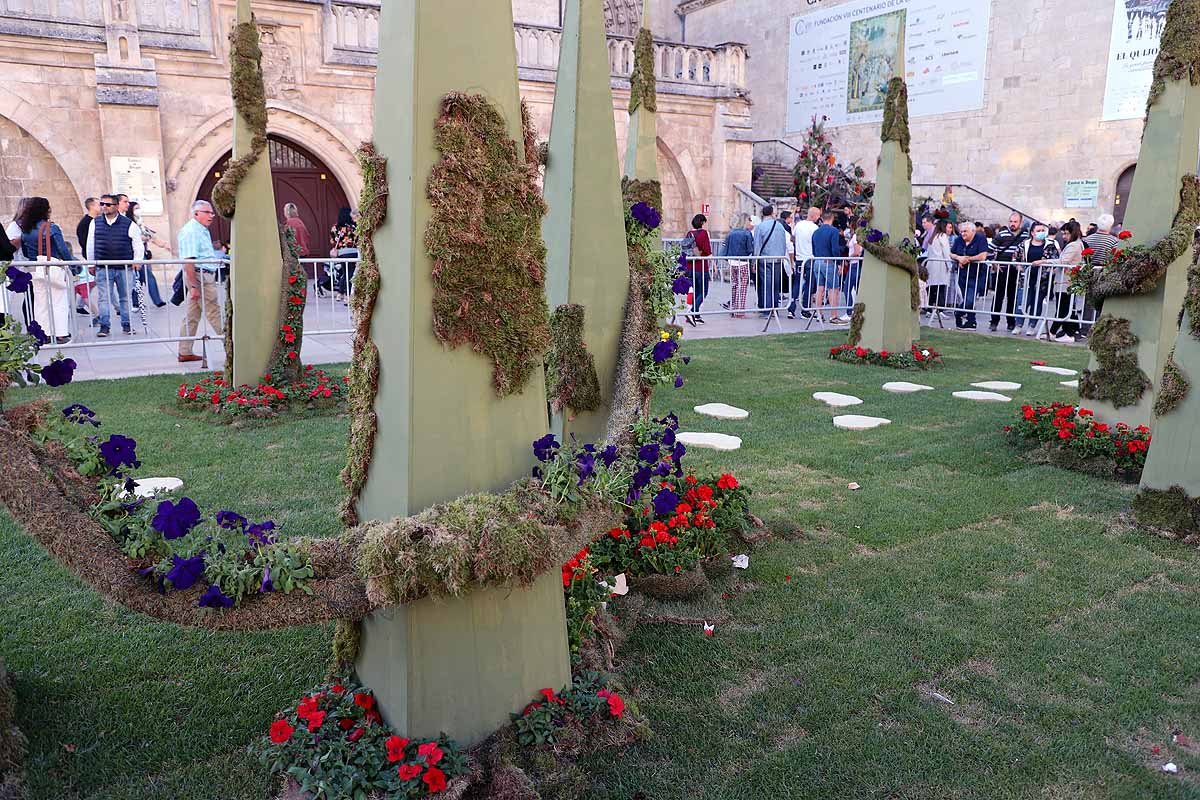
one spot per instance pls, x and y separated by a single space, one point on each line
1102 241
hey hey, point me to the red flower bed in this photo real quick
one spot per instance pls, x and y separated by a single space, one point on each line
919 357
213 394
1074 429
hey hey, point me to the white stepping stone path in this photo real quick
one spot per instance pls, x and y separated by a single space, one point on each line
721 411
837 400
984 397
1054 370
149 487
709 441
857 422
904 387
1070 384
997 386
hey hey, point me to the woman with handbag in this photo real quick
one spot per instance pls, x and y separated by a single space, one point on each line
53 286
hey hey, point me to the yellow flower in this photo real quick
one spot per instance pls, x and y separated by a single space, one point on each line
664 335
678 334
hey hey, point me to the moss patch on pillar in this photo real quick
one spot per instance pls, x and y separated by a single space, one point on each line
484 239
1173 387
1169 510
364 368
347 637
250 101
1178 50
858 318
643 86
576 386
1118 380
284 367
895 118
1191 300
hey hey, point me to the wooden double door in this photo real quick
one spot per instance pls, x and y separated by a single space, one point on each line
299 177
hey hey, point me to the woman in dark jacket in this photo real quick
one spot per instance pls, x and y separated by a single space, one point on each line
52 286
739 244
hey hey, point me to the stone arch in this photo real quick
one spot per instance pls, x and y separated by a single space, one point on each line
81 167
213 138
678 200
27 169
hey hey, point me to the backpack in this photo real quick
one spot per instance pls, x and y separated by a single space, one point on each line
689 246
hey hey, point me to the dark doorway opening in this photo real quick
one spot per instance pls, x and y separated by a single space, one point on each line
298 177
1124 184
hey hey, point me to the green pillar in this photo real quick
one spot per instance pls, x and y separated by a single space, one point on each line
442 429
1170 150
641 144
889 320
586 260
254 238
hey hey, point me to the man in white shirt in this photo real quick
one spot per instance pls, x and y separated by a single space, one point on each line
802 275
113 237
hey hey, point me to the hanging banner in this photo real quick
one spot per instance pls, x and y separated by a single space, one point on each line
840 59
1136 30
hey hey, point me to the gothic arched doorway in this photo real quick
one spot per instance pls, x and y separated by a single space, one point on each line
1124 184
298 177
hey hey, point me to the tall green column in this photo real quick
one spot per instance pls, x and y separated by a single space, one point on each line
464 664
1170 150
641 144
584 231
254 239
888 316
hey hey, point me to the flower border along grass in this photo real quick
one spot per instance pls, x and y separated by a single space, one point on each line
919 356
1072 438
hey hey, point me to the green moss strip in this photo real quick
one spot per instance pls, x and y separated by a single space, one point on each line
858 318
364 368
484 238
576 384
285 370
1191 300
643 86
250 101
347 638
1119 380
1169 510
1172 388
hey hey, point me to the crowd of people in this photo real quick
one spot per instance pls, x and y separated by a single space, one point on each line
111 230
811 268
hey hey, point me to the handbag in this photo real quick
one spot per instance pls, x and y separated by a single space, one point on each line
55 276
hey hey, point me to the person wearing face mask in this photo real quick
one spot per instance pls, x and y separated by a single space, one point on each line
145 275
1037 248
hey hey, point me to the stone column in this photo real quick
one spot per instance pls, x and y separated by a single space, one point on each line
586 260
462 665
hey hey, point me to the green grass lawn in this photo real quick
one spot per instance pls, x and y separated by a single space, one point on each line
1066 640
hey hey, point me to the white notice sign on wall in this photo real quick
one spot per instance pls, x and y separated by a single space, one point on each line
139 178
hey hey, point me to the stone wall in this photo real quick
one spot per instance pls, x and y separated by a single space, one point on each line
1040 124
26 169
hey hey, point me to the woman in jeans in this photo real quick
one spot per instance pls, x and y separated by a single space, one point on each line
698 243
52 286
145 274
1072 255
739 244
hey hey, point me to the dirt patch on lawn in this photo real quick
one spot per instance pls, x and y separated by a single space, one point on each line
1157 582
981 666
961 710
1142 746
863 550
787 738
734 697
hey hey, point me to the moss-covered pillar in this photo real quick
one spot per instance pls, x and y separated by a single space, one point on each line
584 229
441 427
1170 149
254 237
887 297
641 143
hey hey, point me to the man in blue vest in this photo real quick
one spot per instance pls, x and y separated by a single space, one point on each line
113 237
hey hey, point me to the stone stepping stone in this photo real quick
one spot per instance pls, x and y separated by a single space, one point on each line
1054 370
1070 384
997 386
857 422
904 387
721 411
837 400
985 397
149 487
709 441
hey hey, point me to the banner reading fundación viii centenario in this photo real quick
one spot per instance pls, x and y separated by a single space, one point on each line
1136 30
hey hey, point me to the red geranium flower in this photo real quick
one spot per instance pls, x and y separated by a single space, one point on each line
616 706
290 338
356 734
281 731
395 748
291 278
337 688
296 301
435 779
1087 251
292 354
366 701
432 753
1125 235
315 720
409 771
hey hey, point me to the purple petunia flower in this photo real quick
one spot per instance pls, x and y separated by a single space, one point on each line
266 585
609 455
261 534
687 360
81 415
682 285
678 381
665 502
682 261
587 466
35 330
215 598
543 448
19 280
118 452
874 235
230 520
649 453
59 372
664 349
173 520
641 478
663 469
668 438
632 496
186 571
646 214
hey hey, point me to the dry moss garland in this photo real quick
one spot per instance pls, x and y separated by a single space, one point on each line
284 365
13 745
895 118
1191 300
484 238
576 384
893 256
643 86
347 639
1173 387
1179 49
227 339
364 368
1118 380
1170 510
250 101
858 318
1142 267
